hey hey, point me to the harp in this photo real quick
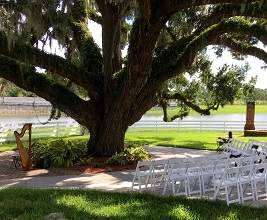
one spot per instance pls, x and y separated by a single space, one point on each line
25 153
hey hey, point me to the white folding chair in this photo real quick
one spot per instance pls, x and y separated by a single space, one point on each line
178 179
194 182
159 172
245 180
175 171
230 178
142 172
211 170
260 176
193 175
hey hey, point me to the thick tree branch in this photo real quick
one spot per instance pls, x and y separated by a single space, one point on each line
253 10
241 48
189 103
172 61
91 57
171 33
172 6
143 39
145 10
95 17
52 63
25 77
164 104
111 39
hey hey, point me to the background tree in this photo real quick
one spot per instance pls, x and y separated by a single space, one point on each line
121 90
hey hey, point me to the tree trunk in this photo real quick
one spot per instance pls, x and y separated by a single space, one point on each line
107 138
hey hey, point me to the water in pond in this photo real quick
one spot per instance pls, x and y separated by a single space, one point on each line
228 117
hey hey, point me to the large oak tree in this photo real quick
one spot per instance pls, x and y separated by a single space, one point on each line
120 90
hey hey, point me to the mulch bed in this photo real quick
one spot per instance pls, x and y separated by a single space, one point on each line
93 170
98 165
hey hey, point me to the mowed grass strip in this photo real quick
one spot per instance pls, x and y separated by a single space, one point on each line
193 139
34 204
228 109
202 140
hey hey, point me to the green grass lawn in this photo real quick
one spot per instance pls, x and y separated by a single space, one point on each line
168 137
228 109
175 138
34 204
206 140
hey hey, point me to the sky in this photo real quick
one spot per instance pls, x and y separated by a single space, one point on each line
255 64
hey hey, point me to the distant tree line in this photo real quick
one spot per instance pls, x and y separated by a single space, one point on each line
260 95
11 90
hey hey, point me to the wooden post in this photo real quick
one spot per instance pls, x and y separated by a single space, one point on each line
250 116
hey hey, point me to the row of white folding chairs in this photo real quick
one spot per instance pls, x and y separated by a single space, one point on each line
238 147
146 172
261 146
200 170
153 172
240 177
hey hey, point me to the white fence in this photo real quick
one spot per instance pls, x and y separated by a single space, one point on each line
198 125
53 129
60 129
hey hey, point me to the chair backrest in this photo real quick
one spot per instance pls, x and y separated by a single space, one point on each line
145 165
231 173
246 146
160 165
25 153
247 160
260 169
174 170
246 171
258 143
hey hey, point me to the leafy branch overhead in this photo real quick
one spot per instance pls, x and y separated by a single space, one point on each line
165 60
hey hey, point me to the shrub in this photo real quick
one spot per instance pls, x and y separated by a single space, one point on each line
62 153
132 153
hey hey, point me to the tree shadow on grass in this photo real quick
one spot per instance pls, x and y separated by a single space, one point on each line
199 145
35 204
151 140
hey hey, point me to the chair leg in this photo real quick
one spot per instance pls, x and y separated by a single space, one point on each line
203 185
256 190
200 185
147 179
185 187
252 190
238 193
226 194
133 182
139 182
265 182
165 186
188 187
241 193
216 191
173 188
